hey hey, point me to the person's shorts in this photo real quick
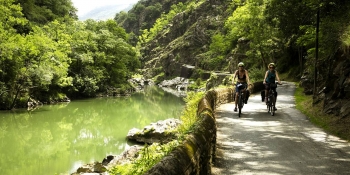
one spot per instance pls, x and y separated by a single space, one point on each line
273 86
240 86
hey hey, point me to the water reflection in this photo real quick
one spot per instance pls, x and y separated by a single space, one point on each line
57 139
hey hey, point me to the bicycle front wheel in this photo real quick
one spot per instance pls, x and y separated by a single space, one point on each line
272 106
240 101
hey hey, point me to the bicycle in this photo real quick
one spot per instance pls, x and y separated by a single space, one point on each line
271 99
240 103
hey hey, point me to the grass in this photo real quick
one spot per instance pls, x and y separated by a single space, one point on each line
332 124
148 157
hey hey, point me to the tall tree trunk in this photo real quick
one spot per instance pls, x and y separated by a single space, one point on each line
300 54
316 59
18 89
262 58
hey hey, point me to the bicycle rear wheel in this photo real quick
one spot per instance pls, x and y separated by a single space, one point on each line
268 104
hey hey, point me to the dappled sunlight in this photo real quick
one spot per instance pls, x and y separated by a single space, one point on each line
281 136
283 144
317 136
268 168
326 139
237 155
259 123
86 134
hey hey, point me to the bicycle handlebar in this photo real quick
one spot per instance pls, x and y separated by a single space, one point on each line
275 83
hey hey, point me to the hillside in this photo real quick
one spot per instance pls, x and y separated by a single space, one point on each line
183 40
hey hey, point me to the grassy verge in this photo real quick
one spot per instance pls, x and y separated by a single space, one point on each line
332 124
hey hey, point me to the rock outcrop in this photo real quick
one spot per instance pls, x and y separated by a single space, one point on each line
159 132
332 89
101 168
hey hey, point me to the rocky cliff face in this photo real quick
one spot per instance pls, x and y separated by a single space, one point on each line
337 90
184 40
144 16
333 85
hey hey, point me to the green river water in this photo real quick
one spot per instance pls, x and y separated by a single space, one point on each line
57 139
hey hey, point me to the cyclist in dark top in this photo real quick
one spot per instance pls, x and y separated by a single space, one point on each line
242 77
270 77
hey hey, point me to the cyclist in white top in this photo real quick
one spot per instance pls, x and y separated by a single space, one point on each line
242 78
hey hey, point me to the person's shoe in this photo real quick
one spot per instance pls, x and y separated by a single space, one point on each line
245 101
274 108
235 109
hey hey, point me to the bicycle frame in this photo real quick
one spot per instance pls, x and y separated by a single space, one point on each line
240 101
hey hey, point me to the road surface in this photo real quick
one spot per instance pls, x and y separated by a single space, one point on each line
284 144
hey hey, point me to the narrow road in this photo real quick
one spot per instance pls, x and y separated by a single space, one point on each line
284 144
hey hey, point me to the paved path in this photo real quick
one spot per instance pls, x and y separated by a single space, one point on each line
284 144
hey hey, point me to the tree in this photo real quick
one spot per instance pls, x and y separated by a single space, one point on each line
248 22
44 11
101 58
10 16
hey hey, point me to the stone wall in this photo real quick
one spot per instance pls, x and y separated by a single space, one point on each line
195 154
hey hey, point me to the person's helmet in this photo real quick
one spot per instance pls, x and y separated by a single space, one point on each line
271 64
241 64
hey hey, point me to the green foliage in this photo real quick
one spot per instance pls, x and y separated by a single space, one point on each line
308 39
120 17
227 81
102 58
219 44
198 81
189 116
161 23
60 56
256 74
148 157
198 84
33 62
248 21
42 12
279 31
159 78
10 16
297 22
197 73
345 39
153 11
212 62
